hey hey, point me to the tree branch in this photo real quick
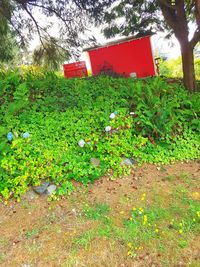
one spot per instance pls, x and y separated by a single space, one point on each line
49 9
36 24
197 12
169 14
196 38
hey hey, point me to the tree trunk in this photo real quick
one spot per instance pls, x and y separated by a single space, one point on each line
188 67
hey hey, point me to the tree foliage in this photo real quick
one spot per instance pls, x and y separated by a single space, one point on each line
143 17
50 55
7 41
26 18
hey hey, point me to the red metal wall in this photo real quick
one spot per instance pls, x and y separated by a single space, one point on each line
77 69
124 58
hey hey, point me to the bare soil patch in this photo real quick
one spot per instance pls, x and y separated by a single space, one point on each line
39 233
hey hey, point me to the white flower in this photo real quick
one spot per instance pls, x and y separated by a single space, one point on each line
108 128
81 143
112 115
132 113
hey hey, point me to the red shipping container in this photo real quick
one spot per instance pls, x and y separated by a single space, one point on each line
76 69
128 57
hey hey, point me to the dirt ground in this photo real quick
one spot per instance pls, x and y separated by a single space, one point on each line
39 233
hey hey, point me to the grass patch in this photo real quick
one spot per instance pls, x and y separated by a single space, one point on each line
96 212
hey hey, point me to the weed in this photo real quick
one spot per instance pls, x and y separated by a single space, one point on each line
2 257
183 243
170 178
85 239
96 212
32 233
4 243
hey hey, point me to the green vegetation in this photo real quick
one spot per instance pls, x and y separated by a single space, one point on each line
97 212
57 125
50 55
172 68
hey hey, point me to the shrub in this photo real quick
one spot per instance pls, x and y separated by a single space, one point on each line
173 68
153 122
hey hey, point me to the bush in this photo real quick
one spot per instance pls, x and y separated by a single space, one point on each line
173 68
153 122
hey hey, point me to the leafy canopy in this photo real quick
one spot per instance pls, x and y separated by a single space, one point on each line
28 17
147 17
50 55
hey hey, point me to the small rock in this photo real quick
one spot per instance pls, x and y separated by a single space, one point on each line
95 162
51 189
41 188
30 195
127 162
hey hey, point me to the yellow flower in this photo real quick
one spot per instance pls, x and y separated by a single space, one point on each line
145 219
143 197
129 253
180 224
134 209
198 213
194 220
180 231
196 194
156 230
121 212
129 244
130 218
140 248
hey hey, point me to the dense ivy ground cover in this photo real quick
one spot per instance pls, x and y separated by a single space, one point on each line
66 124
